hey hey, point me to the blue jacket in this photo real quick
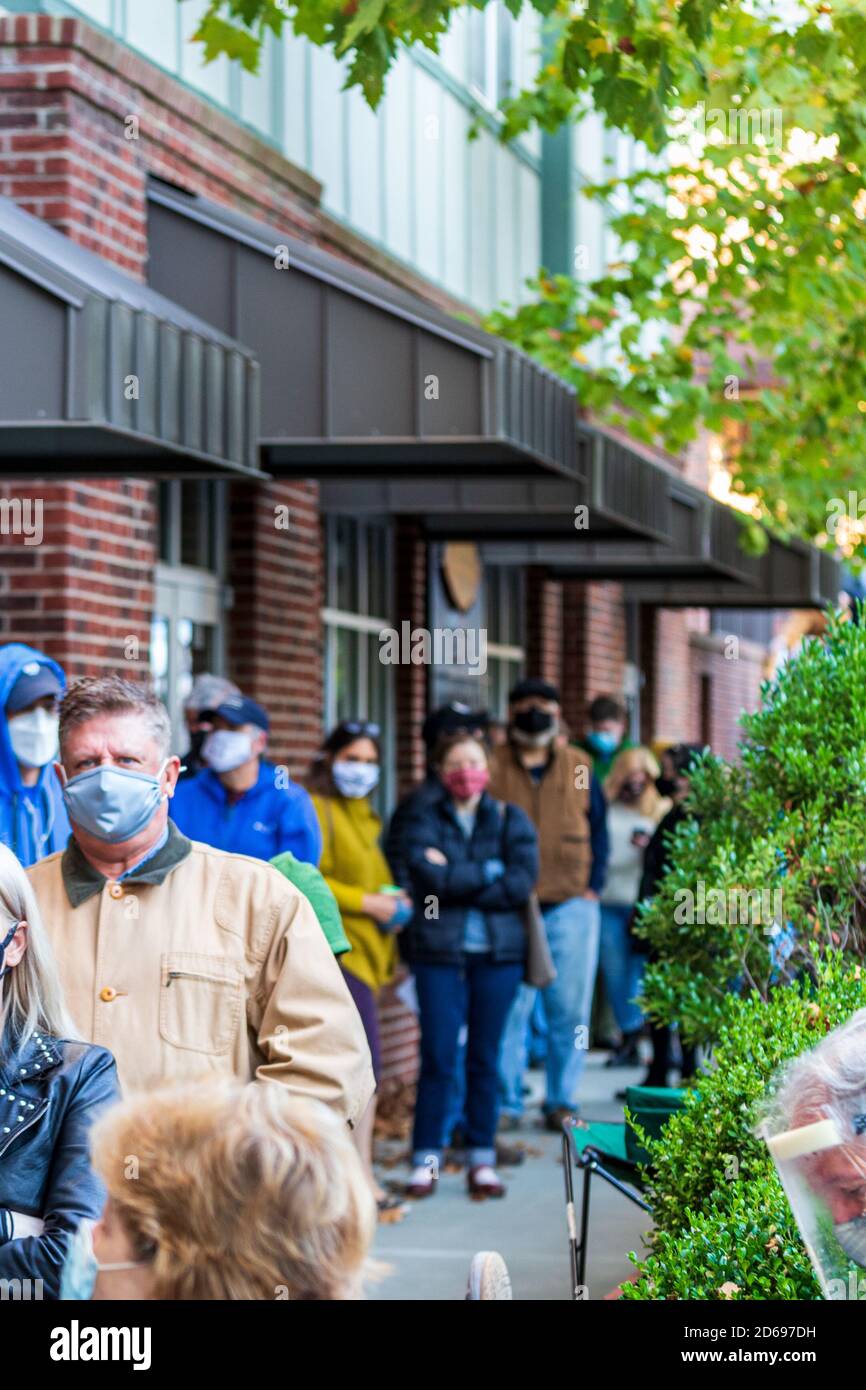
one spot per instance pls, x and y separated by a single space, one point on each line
264 822
33 820
502 832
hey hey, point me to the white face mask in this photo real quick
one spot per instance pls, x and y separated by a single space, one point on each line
34 737
225 749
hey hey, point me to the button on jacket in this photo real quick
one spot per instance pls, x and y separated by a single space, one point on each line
208 962
49 1096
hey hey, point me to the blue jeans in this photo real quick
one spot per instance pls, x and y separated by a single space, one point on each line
573 929
621 966
480 993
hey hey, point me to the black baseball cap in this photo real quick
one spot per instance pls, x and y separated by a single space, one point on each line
533 687
451 719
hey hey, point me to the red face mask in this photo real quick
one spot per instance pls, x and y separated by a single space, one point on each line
464 782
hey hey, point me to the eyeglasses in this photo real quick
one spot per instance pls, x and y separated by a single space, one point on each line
361 728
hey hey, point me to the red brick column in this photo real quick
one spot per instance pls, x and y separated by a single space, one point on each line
275 625
543 626
410 682
84 592
593 646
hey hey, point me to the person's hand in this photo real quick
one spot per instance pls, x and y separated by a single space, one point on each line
435 856
590 895
382 906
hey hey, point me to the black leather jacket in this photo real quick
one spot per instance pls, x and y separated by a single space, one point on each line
49 1096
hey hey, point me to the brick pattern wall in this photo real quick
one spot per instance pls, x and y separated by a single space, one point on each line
735 669
593 646
84 594
410 682
275 628
543 626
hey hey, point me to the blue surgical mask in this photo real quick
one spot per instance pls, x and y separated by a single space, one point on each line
81 1267
113 803
355 779
602 742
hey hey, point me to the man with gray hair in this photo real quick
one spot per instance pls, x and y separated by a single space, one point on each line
179 958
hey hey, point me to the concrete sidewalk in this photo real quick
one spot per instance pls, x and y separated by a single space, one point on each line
429 1252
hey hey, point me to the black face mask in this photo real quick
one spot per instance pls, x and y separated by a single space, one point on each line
666 786
533 721
196 739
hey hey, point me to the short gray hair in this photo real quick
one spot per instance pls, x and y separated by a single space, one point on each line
828 1081
94 695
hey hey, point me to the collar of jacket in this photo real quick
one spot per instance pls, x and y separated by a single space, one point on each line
210 783
82 881
41 1055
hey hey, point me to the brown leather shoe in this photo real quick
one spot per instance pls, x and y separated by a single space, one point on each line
483 1182
419 1190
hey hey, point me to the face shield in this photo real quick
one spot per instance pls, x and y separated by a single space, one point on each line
822 1167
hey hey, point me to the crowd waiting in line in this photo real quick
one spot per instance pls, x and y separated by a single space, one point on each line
171 933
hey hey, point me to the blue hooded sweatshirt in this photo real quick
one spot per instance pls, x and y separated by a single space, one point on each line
263 822
33 820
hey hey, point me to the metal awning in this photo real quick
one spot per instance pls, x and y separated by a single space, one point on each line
359 378
101 374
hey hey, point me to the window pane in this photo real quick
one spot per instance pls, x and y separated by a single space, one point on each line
197 524
347 565
159 655
345 674
377 571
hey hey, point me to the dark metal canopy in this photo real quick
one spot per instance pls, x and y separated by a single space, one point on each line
100 372
359 378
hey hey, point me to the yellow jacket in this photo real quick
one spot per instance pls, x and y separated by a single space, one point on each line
352 864
212 963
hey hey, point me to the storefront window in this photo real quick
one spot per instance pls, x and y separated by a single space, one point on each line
358 591
187 630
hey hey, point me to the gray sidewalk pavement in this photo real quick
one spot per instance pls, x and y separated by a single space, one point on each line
429 1252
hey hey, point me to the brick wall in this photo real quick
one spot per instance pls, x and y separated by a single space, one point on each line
274 627
410 682
593 646
543 626
734 668
84 594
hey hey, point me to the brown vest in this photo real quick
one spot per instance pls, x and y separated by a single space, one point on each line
558 806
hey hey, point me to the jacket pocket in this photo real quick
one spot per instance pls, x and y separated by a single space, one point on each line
200 1001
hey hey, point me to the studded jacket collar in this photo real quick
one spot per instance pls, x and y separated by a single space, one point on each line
23 1087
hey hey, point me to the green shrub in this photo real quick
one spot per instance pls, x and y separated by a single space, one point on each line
789 819
721 1217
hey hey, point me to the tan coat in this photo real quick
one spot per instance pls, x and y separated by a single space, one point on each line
558 806
222 967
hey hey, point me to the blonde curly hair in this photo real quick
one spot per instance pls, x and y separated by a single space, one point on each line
238 1192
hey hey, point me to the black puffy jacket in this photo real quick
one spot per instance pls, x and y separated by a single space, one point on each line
49 1096
503 832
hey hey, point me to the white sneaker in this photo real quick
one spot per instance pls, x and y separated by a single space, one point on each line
488 1278
421 1183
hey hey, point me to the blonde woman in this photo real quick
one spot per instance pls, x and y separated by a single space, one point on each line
51 1089
240 1192
634 810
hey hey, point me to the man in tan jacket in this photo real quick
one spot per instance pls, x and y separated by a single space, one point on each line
179 958
554 784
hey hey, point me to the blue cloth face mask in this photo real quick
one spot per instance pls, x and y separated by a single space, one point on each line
81 1267
112 803
602 742
354 779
